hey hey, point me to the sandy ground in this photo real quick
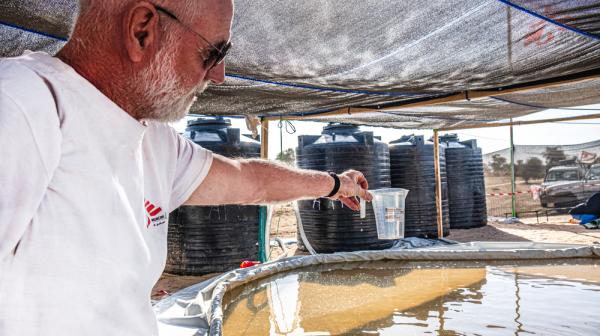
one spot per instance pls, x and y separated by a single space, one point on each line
556 229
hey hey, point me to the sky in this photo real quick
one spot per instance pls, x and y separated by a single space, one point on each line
489 139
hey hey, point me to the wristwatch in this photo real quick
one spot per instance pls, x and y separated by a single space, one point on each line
336 184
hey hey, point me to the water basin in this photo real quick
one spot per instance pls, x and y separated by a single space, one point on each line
534 297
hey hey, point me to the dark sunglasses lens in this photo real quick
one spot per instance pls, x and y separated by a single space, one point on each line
225 50
216 56
220 55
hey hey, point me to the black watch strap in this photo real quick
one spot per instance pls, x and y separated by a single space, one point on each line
336 184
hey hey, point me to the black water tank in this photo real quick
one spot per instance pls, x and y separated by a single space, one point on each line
466 186
412 167
209 239
330 227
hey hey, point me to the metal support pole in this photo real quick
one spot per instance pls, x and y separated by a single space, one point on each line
263 234
512 172
438 183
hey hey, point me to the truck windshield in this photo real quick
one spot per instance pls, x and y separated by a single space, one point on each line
562 175
594 173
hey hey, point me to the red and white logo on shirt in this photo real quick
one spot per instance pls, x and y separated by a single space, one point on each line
154 214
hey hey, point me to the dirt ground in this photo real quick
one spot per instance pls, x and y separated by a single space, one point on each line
556 229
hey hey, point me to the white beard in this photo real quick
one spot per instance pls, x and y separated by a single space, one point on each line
164 98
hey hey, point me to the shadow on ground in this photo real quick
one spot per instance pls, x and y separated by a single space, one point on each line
485 233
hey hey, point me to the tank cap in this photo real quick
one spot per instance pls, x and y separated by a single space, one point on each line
417 140
404 138
210 121
340 128
453 137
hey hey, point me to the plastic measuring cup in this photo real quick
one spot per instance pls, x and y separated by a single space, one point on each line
388 205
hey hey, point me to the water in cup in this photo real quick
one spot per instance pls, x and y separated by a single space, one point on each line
388 204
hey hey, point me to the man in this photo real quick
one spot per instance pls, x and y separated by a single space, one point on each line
85 146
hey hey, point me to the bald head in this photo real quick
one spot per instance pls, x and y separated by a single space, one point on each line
151 58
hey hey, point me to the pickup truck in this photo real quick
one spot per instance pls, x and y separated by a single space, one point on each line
567 186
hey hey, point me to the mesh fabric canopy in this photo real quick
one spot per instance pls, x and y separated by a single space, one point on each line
306 58
309 57
35 25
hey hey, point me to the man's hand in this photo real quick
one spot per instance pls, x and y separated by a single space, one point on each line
352 183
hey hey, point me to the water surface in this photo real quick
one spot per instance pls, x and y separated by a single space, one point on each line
422 298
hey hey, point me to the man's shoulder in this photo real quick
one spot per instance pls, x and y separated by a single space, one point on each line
27 102
162 134
164 139
17 69
18 75
160 129
24 87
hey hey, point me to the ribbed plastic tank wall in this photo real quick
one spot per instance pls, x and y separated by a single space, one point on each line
209 239
412 167
328 225
466 186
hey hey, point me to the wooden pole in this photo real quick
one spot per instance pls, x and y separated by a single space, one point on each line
264 138
474 94
438 183
521 123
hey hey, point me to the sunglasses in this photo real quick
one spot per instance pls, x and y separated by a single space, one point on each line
216 53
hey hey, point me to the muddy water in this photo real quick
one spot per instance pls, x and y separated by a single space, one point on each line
414 298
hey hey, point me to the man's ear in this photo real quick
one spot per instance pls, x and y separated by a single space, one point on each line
141 29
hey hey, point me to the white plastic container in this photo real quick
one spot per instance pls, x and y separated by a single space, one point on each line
388 204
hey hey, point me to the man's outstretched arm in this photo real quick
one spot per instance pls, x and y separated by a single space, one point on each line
255 181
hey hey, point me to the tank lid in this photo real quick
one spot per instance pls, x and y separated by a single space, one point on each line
417 140
340 128
210 121
453 137
404 138
452 141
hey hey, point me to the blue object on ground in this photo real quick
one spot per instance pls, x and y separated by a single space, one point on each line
584 219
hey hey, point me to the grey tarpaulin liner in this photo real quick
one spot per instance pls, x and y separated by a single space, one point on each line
197 310
307 57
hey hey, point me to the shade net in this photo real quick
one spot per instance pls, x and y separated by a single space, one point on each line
306 58
35 25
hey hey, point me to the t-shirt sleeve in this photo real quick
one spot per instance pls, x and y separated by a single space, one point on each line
30 141
192 166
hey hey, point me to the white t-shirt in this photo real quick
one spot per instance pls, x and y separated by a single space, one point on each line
85 191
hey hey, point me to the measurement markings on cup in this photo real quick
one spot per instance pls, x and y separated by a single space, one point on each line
393 214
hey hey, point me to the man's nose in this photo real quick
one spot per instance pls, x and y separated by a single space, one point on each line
216 75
